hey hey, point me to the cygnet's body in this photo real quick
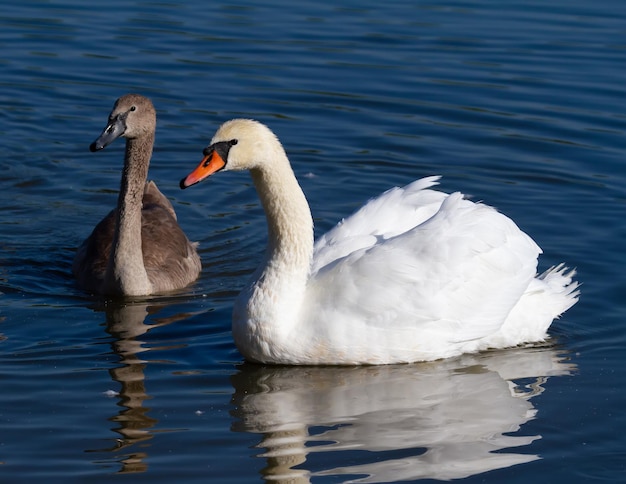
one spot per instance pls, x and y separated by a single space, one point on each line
138 249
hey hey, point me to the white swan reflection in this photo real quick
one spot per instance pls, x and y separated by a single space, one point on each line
440 420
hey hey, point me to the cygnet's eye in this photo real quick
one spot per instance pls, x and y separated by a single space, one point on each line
133 108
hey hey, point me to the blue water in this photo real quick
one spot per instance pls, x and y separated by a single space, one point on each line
520 104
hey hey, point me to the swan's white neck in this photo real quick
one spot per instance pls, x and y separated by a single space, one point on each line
289 222
268 309
126 273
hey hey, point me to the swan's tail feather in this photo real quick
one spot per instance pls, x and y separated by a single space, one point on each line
560 281
548 296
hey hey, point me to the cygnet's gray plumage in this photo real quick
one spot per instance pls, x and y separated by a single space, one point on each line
138 248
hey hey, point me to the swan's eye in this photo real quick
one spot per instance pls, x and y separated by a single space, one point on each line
233 142
133 108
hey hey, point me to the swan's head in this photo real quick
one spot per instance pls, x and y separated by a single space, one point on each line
133 116
239 144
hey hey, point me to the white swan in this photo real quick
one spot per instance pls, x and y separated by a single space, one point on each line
415 274
138 248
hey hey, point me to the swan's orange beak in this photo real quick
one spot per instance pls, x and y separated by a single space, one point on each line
211 163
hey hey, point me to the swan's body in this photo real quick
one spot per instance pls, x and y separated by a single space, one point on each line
138 248
415 274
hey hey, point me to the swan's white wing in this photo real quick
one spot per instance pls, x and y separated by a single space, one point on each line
392 213
451 279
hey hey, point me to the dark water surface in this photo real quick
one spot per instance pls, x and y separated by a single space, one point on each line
520 104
